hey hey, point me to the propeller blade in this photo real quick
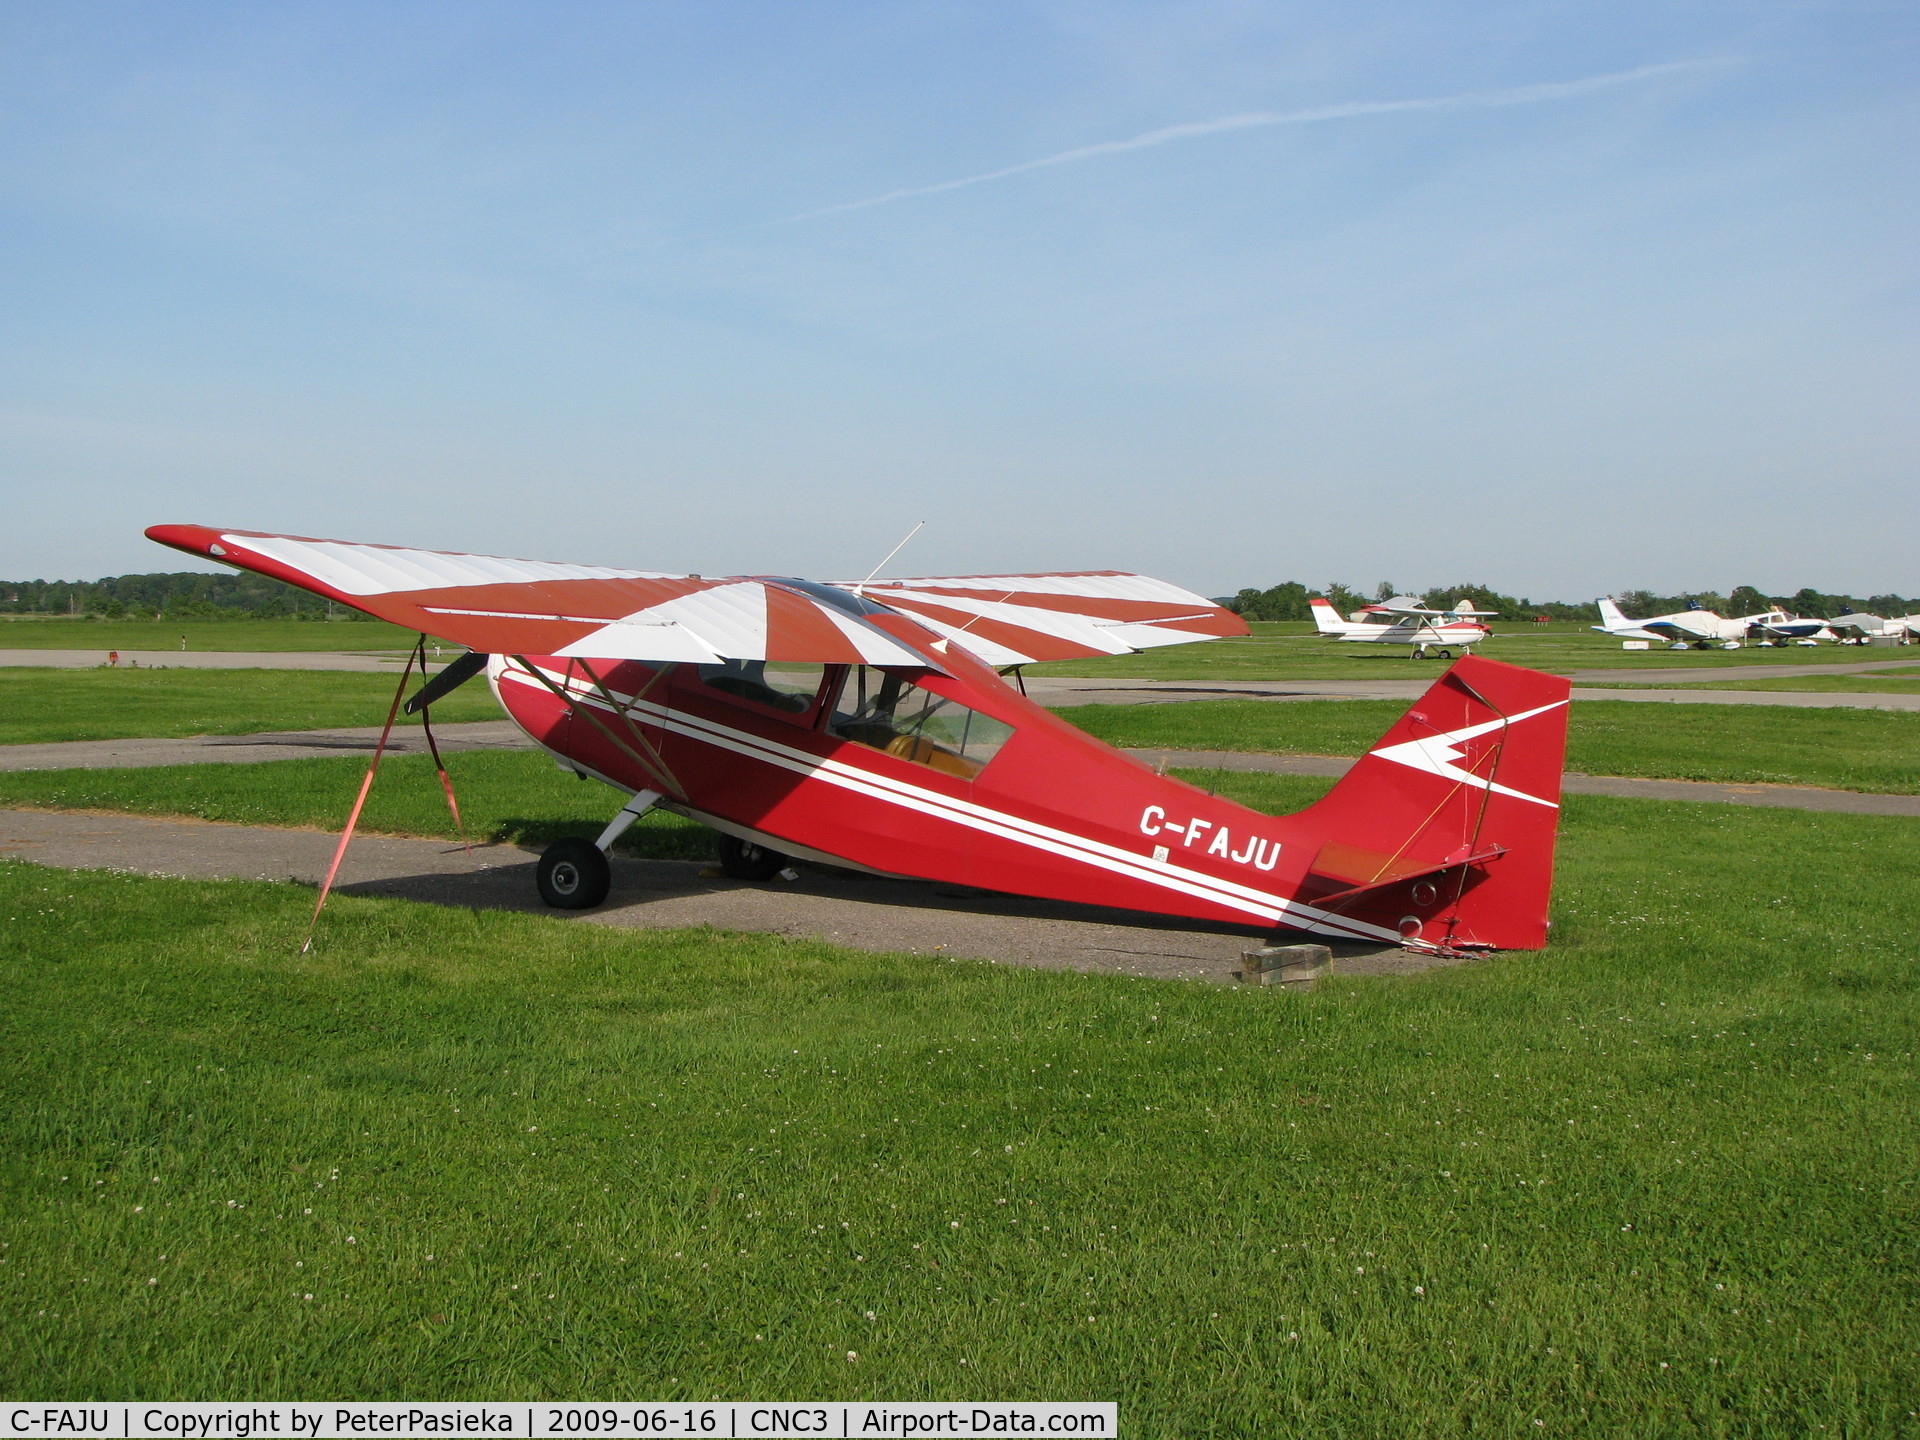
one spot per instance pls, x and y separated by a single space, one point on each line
447 681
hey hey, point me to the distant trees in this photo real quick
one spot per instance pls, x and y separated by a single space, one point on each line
1286 601
181 595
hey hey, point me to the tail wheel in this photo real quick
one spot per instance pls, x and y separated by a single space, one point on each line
745 860
573 874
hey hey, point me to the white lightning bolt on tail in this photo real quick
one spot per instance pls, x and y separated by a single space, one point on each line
1437 754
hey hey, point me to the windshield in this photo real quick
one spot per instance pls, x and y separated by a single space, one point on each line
893 714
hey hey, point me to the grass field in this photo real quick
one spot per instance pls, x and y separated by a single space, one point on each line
504 796
1873 750
42 704
1294 652
522 797
1860 750
1659 1178
24 633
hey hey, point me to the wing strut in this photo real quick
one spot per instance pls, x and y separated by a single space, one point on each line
651 762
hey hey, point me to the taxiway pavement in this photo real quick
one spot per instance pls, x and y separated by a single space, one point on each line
860 911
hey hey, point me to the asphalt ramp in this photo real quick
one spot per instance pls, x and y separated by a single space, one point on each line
837 906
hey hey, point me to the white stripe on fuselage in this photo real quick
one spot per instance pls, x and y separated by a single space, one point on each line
977 817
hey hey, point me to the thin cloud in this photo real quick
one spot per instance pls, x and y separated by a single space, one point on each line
1473 100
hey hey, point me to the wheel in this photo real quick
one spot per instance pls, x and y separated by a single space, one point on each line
744 860
1446 654
573 874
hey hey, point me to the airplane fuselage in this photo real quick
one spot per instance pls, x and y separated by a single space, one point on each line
1042 809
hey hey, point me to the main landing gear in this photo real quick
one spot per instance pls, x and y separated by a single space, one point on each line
573 873
744 860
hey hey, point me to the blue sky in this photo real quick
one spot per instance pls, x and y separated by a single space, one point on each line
1624 298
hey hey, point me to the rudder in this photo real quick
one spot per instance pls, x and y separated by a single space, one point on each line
1444 831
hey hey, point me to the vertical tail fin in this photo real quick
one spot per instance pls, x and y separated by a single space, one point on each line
1611 615
1326 617
1444 832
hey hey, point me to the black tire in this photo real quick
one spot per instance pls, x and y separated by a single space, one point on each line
573 874
745 860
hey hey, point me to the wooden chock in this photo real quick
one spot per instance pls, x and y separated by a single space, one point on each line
1294 966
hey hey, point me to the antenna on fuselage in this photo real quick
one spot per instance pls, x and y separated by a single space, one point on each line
861 588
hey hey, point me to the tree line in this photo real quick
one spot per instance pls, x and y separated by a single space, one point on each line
1288 601
180 595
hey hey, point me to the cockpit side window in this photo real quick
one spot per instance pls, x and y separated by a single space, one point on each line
893 714
788 687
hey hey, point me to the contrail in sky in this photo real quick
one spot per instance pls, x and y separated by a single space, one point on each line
1472 100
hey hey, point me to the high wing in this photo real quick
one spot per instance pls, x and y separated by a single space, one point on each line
1020 619
1412 605
534 607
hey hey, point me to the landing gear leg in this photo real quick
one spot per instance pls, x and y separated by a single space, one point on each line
630 812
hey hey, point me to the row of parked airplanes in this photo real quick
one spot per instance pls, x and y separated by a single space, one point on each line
1406 620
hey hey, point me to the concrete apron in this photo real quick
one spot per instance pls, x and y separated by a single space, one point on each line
862 912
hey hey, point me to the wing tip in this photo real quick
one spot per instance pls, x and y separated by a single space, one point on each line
194 539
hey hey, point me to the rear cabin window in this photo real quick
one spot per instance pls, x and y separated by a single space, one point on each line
789 687
895 715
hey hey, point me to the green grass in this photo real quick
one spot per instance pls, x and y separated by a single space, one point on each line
1294 652
509 796
32 633
1871 750
43 704
1657 1179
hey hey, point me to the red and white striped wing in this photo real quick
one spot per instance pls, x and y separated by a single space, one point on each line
535 607
1019 619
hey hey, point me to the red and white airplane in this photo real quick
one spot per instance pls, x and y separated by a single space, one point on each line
870 725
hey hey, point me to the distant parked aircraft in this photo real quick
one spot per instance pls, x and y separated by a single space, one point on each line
1854 628
1683 629
1403 620
1699 628
1613 621
1776 627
